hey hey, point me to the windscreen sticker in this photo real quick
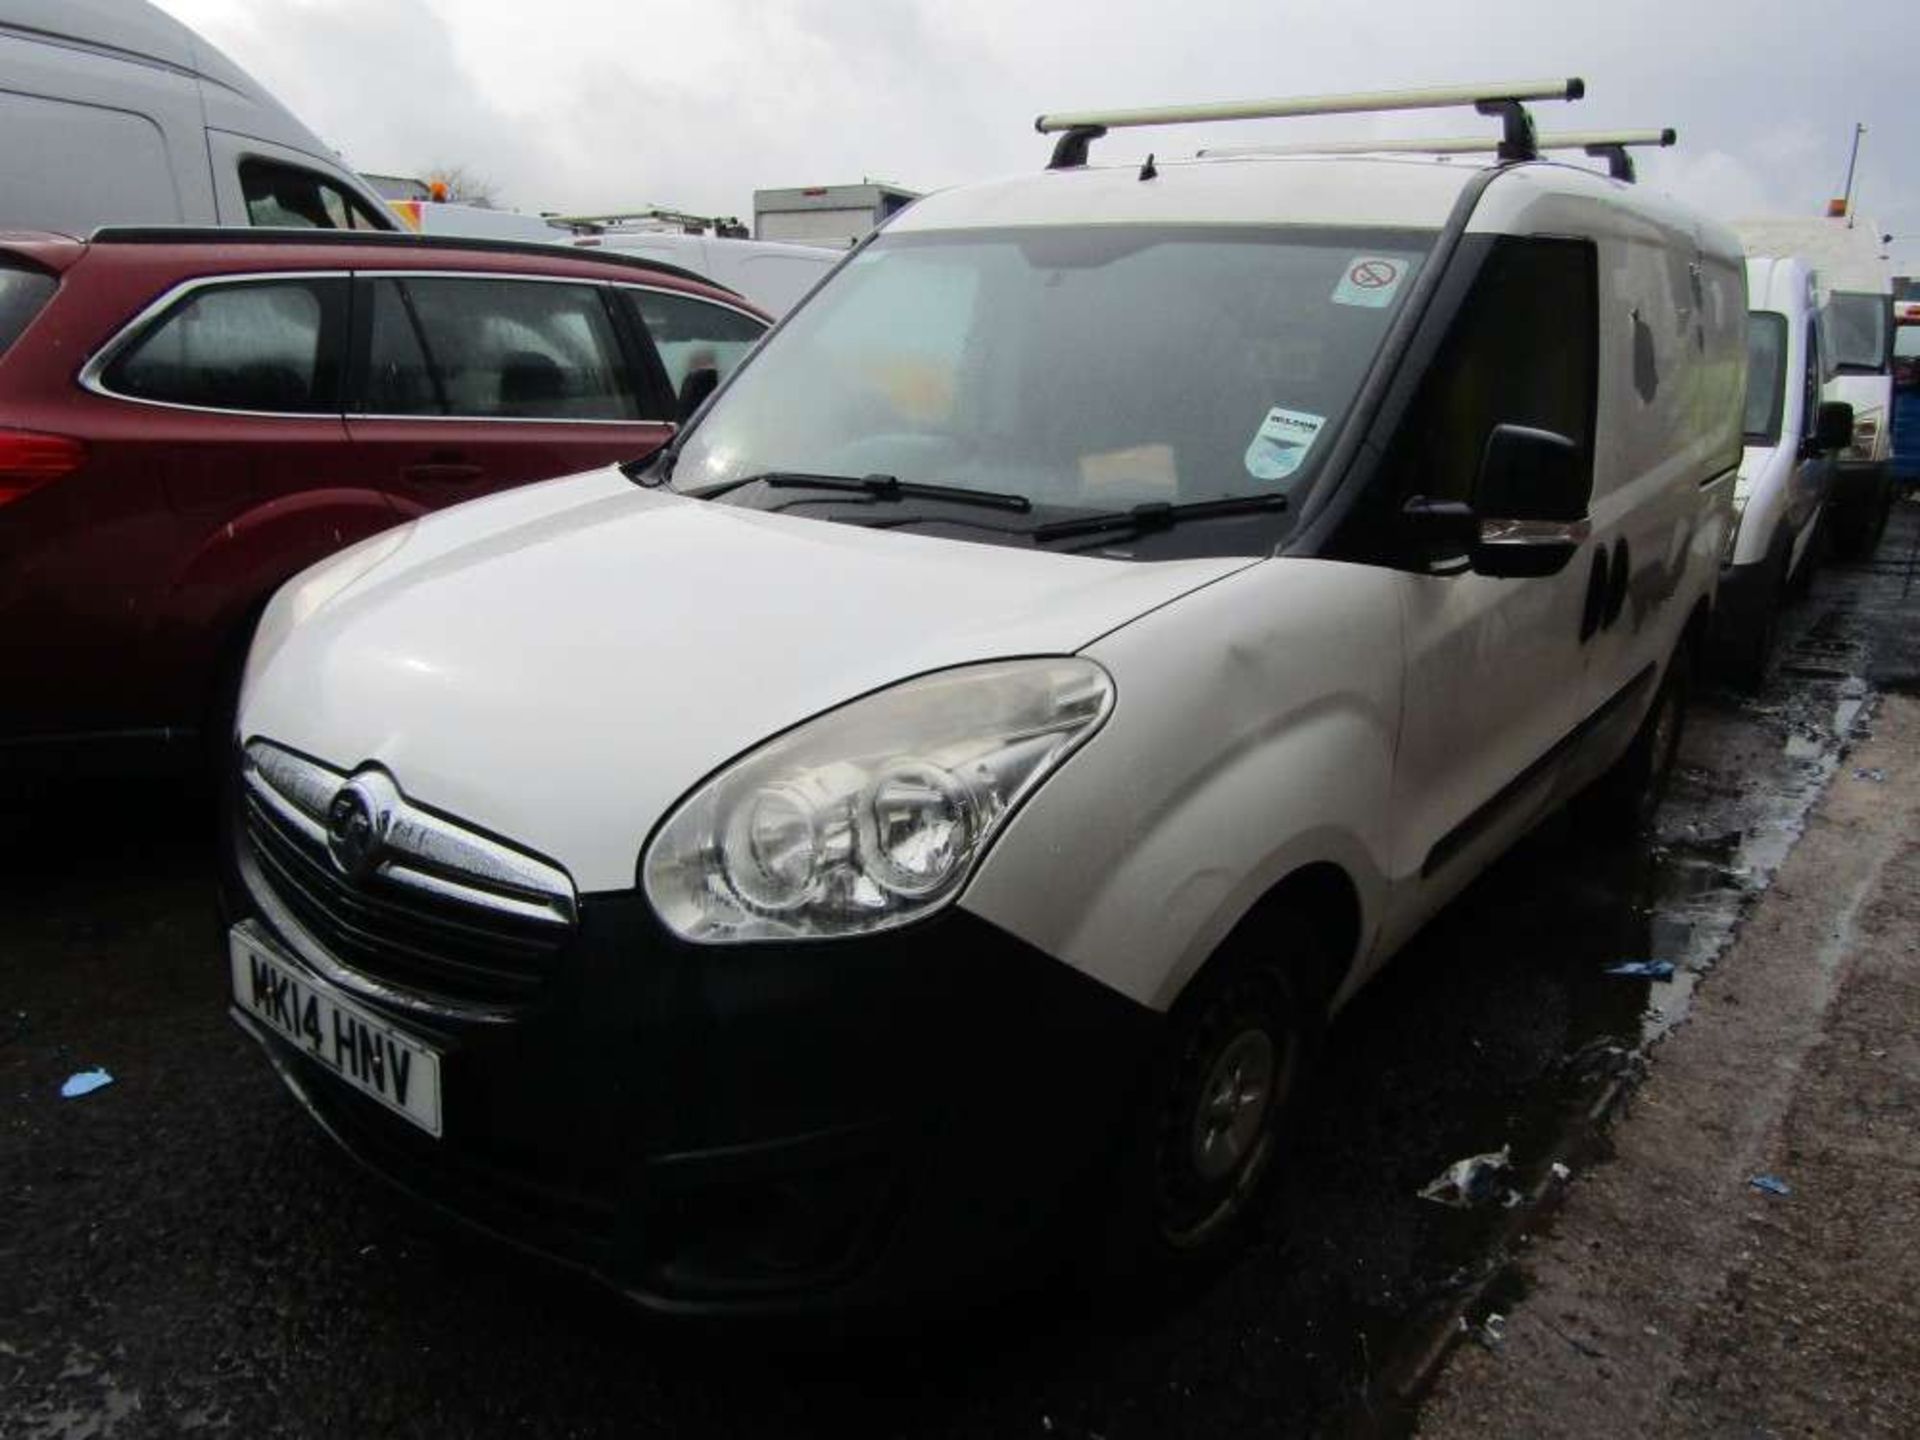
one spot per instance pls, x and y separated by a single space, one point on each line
1370 281
1281 443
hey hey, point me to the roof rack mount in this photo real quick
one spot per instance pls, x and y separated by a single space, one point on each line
1079 129
1608 145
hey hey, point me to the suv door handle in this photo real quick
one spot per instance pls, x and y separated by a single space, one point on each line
443 472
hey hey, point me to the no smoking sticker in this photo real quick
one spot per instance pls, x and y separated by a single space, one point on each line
1370 281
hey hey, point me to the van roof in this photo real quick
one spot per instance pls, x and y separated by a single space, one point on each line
140 32
1778 282
1363 191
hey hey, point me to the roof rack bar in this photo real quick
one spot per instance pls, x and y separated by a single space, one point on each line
1494 99
1613 149
1594 142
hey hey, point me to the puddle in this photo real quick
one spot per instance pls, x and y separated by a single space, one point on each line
1549 920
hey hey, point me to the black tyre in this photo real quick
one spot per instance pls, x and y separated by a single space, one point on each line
1749 653
1211 1125
1857 529
1624 801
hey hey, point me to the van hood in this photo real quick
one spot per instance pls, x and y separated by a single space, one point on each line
559 664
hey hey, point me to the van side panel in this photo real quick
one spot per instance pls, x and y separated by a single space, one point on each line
1673 366
1673 344
1270 703
91 140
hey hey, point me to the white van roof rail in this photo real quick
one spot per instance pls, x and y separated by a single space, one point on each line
1608 145
1079 129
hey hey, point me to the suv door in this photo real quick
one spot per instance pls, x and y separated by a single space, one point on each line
216 455
1493 666
470 383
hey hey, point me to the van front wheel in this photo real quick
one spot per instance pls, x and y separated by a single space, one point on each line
1206 1141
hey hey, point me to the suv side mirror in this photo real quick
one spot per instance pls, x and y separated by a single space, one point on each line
1832 428
1531 500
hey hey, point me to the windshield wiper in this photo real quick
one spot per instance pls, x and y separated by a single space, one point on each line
1157 515
879 487
891 487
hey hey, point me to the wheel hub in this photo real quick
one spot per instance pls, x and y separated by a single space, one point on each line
1232 1105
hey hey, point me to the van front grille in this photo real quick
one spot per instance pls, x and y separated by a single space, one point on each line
394 900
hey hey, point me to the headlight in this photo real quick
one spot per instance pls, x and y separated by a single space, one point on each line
871 815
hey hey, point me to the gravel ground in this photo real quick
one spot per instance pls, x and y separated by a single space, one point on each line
185 1253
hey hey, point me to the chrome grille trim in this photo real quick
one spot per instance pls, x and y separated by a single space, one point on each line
423 851
431 916
293 934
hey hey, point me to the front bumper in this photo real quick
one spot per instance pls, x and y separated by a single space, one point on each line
767 1128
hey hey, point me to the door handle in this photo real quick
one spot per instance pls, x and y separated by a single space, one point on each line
443 472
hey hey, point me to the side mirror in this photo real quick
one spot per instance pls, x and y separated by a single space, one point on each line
694 390
1531 500
1832 428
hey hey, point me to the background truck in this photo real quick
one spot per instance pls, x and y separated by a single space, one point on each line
826 214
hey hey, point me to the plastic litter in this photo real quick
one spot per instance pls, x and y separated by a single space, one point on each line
84 1082
1772 1184
1643 969
1561 1172
1493 1329
1879 777
1469 1182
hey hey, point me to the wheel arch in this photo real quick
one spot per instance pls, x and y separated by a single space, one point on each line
1320 894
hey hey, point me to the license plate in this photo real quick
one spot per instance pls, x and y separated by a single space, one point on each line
366 1052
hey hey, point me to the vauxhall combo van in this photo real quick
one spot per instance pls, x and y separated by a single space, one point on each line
932 806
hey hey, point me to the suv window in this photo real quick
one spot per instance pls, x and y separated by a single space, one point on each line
22 293
524 349
693 334
270 345
1523 352
287 196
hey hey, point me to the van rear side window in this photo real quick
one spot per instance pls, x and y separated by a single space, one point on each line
22 293
287 197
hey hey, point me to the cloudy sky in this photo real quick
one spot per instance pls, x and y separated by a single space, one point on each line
587 105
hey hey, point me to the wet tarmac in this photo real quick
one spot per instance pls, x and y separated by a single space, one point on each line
184 1253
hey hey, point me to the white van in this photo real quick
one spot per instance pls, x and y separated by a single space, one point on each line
114 113
1855 283
945 794
1786 469
775 276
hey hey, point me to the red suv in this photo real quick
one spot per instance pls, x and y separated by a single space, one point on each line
188 418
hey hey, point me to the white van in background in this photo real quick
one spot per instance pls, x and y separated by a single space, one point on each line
114 113
772 274
1855 285
1790 438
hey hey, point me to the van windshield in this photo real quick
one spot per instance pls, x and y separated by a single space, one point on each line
1859 327
1766 377
1084 370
